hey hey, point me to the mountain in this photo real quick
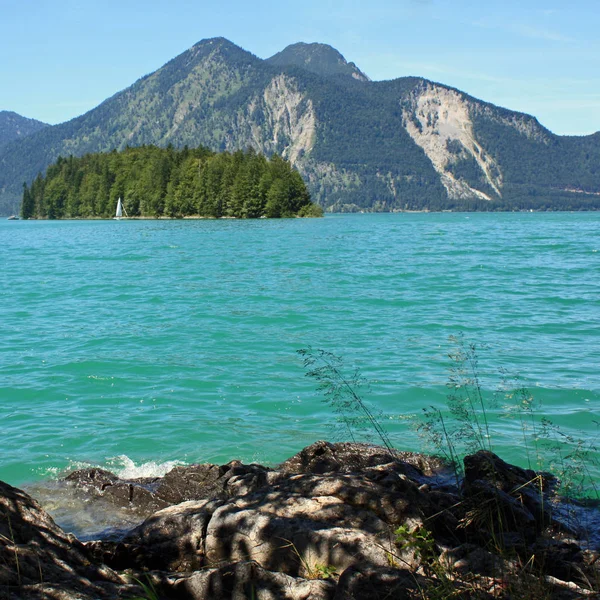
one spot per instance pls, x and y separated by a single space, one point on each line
14 126
317 58
366 145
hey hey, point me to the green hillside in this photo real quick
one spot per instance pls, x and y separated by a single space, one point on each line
14 127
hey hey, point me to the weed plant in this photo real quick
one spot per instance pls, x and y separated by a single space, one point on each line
311 569
149 591
419 540
341 392
464 427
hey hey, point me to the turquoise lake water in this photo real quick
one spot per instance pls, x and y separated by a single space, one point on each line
135 345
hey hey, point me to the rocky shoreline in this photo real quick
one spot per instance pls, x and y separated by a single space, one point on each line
334 522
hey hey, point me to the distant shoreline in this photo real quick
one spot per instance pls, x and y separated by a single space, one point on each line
201 218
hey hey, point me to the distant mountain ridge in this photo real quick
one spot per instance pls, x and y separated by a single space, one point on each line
405 144
14 126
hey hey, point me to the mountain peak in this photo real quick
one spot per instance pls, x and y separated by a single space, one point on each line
215 42
220 46
321 59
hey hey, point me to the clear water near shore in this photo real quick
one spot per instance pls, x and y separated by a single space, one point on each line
133 344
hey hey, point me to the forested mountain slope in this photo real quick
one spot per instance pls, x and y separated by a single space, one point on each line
403 144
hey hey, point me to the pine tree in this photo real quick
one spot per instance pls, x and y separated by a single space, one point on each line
28 204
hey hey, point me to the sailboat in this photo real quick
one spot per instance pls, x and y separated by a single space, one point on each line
120 211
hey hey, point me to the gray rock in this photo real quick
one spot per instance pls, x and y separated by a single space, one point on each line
528 487
139 494
296 522
207 481
289 531
36 554
97 479
241 581
195 482
299 522
346 457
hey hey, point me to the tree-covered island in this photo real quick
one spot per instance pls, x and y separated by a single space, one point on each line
165 182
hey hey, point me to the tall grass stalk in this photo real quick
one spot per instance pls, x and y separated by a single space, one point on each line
518 400
465 428
149 591
571 461
465 399
341 392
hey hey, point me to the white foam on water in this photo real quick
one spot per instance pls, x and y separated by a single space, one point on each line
51 474
125 467
86 516
122 466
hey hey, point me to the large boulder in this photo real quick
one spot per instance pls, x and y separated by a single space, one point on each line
507 501
298 524
348 457
291 519
244 580
39 560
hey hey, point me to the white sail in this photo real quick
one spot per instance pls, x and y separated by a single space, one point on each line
119 209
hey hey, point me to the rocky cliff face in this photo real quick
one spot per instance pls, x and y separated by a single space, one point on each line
290 121
438 120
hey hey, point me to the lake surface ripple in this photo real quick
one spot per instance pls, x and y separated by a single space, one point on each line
136 345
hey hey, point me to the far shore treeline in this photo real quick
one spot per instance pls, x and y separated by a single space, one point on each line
165 182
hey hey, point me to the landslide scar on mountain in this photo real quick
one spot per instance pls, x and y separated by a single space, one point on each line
291 117
438 120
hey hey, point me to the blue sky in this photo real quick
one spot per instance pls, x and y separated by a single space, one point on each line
60 59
